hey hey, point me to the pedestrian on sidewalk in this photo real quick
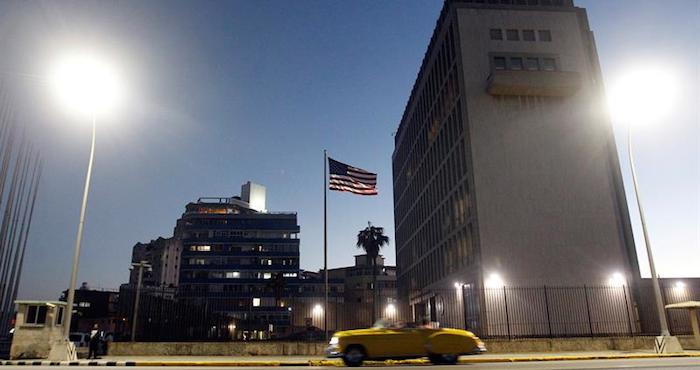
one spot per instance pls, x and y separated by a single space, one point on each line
94 342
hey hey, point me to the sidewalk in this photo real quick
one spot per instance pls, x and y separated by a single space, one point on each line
242 361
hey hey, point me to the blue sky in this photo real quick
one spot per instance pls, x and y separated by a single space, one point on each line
225 92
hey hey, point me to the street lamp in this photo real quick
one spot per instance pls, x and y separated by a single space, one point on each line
88 87
643 96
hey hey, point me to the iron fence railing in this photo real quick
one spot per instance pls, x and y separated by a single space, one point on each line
506 312
532 312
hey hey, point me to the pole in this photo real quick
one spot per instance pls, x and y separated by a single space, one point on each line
136 302
325 242
627 309
546 305
588 310
464 307
654 278
505 301
79 238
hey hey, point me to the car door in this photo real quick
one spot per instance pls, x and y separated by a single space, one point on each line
407 342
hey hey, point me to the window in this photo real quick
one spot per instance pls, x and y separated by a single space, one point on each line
529 35
290 274
512 35
59 316
36 315
549 64
516 64
200 248
496 34
256 302
83 304
499 63
267 275
545 35
532 64
233 274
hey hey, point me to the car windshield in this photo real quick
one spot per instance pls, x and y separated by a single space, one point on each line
381 324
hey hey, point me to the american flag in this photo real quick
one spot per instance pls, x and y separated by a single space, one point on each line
352 179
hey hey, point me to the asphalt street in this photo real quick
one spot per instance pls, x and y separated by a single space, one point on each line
656 364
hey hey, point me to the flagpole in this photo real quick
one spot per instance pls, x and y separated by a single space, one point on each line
325 243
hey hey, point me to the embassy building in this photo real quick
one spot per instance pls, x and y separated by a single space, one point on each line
505 168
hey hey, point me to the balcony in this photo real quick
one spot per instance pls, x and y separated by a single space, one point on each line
533 83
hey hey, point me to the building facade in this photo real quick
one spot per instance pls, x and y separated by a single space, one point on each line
505 166
239 259
359 293
163 254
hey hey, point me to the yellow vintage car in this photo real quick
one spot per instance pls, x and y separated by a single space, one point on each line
385 341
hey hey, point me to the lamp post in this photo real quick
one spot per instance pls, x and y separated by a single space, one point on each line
79 237
642 96
88 87
654 277
140 265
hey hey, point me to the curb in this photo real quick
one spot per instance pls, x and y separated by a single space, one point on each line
467 360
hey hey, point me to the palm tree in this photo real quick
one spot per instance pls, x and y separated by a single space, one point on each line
372 239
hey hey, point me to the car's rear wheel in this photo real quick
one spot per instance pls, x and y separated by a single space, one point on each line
354 356
444 359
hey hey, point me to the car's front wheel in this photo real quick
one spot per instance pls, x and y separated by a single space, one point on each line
354 356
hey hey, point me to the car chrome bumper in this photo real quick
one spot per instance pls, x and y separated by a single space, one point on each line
333 352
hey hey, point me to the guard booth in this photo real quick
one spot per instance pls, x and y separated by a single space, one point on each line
38 326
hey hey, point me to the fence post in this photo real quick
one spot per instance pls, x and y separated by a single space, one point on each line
464 307
627 309
546 305
505 300
664 297
588 309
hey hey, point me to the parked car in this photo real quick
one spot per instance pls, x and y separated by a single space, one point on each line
387 341
80 339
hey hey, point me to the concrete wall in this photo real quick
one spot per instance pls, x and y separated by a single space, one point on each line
216 348
317 348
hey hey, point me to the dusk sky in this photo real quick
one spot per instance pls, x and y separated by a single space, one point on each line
222 92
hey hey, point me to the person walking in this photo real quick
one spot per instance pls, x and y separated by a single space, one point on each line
94 342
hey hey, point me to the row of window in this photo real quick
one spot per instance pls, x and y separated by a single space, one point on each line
239 234
438 171
519 63
519 2
242 261
243 248
233 275
241 288
431 97
518 35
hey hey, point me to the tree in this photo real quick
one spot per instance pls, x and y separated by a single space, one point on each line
372 239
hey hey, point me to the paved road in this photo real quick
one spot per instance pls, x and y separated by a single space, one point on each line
656 364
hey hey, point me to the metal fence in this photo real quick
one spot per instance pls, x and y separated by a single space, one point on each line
509 312
226 316
532 312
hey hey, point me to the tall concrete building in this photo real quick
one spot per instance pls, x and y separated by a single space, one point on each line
505 167
163 254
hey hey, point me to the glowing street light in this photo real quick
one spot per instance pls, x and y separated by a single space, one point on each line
85 85
617 280
88 87
640 97
494 281
390 310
